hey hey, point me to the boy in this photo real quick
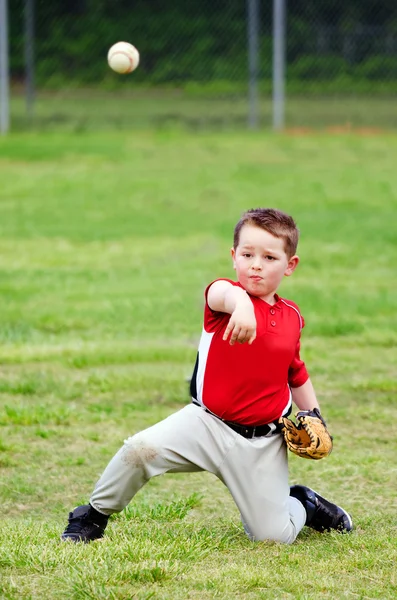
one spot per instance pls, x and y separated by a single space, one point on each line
248 370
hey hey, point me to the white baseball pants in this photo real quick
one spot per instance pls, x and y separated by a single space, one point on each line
254 470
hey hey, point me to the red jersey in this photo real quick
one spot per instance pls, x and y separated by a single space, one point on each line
250 384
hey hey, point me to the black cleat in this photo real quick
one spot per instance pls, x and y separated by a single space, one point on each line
322 515
85 525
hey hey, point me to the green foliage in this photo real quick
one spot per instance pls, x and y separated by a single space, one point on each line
378 68
199 42
317 68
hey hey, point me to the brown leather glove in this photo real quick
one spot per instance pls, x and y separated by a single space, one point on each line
310 438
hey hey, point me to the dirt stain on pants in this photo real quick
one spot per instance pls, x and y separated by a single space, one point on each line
138 454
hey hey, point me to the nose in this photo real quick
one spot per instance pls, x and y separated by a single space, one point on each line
256 264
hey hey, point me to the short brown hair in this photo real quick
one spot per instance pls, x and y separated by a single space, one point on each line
275 222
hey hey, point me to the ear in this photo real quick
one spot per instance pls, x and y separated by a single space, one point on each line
292 264
233 255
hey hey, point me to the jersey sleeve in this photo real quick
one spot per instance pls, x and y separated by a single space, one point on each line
214 320
297 372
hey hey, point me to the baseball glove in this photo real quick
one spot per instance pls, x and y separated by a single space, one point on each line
310 438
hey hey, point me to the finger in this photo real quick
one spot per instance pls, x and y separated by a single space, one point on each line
252 338
242 336
234 336
228 330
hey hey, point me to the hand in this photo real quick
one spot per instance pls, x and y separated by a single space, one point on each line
241 326
310 438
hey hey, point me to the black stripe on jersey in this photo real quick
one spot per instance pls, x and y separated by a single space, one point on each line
193 381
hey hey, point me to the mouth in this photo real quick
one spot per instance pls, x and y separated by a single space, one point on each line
255 278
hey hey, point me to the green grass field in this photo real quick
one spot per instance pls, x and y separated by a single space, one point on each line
107 242
198 108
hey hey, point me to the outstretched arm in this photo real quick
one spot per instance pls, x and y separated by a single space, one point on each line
227 298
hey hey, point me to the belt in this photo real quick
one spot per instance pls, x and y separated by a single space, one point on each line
249 431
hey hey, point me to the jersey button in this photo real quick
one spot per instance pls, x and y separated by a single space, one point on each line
273 323
272 311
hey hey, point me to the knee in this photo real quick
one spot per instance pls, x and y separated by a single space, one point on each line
139 451
270 532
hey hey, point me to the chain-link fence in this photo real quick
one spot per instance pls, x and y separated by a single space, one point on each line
342 63
204 63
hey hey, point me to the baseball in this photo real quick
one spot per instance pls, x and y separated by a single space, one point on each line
123 57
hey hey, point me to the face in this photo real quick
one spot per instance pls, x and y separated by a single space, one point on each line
261 262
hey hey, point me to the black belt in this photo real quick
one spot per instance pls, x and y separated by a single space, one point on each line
248 431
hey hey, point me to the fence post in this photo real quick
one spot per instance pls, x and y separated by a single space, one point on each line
29 56
279 33
4 70
253 62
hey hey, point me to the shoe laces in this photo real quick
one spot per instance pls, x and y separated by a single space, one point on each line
75 524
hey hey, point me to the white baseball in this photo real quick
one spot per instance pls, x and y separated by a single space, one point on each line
123 57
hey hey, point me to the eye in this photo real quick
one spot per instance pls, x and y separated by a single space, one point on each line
247 255
268 257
